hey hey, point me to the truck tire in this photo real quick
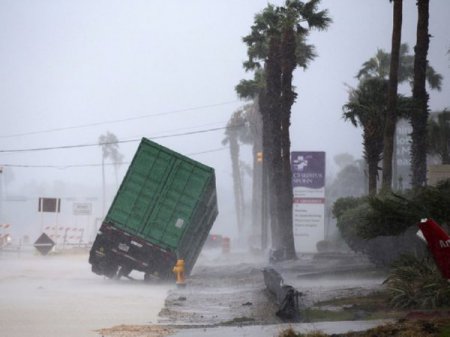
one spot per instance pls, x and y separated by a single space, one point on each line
123 271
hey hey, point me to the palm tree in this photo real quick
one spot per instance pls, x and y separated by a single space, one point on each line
420 112
439 136
277 45
245 127
367 108
379 67
110 149
391 113
237 130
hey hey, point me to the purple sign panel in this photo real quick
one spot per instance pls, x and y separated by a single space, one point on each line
308 169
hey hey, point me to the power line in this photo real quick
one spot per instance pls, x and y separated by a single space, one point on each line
118 142
63 167
117 120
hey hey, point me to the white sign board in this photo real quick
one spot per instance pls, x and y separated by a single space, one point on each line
308 183
82 208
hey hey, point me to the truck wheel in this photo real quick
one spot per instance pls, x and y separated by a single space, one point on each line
110 270
123 271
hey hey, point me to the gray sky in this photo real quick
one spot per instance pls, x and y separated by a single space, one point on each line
175 64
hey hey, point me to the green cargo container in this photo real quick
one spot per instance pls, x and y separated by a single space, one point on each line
163 211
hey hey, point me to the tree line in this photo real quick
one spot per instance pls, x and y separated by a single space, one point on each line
276 46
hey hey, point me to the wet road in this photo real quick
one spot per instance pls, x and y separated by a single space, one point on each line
54 296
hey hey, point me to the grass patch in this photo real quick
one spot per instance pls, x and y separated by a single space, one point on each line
429 328
239 321
372 306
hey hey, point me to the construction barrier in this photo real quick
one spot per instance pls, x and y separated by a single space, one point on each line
225 245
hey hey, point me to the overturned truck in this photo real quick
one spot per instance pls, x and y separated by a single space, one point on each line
163 211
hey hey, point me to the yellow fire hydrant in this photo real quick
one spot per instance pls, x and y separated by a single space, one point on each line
178 270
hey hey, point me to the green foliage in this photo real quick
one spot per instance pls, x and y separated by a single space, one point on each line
274 19
350 214
378 67
417 283
367 102
388 215
392 214
439 136
342 205
383 227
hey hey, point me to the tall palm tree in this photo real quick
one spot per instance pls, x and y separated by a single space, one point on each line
367 108
277 45
420 112
379 67
110 149
254 91
391 113
237 130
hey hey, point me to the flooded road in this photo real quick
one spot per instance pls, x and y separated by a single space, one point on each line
54 296
58 295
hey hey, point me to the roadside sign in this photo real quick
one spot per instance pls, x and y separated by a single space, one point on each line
49 205
44 244
82 208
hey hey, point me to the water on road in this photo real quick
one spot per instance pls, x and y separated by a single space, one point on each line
58 295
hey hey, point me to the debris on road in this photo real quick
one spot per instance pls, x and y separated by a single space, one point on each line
287 297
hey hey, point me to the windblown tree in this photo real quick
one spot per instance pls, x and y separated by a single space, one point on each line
378 67
236 131
367 108
254 90
276 47
439 136
110 150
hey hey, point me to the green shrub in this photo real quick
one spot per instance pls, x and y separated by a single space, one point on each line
392 214
417 283
354 216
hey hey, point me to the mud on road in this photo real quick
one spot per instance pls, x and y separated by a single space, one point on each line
221 292
230 289
226 292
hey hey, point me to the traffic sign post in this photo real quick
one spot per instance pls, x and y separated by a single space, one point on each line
44 244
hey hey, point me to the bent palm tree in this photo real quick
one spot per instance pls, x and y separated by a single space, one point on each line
110 149
237 130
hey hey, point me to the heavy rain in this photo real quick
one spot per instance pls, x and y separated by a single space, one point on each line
230 168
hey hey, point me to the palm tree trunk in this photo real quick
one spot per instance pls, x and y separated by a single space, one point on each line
268 213
420 96
257 181
391 115
237 183
373 145
273 87
288 65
